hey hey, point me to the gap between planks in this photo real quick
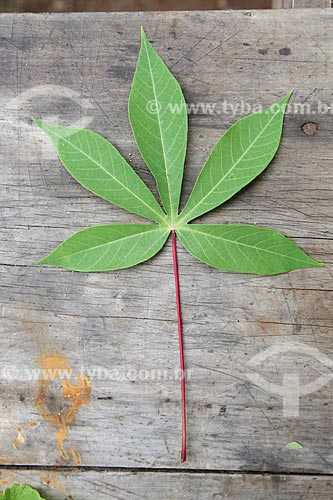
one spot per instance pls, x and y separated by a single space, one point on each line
165 470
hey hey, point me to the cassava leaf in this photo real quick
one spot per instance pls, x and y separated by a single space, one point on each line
158 117
97 165
109 247
20 492
243 248
241 154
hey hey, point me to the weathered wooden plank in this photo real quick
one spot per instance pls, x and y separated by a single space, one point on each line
55 485
301 4
126 320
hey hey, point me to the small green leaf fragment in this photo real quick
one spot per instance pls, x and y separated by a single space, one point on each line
108 247
97 165
243 248
20 492
293 445
158 117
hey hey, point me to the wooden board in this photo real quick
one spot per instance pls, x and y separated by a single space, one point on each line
119 329
301 4
102 485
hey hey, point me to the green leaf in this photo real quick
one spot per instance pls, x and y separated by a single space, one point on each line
158 116
100 168
109 247
293 445
242 248
241 154
20 492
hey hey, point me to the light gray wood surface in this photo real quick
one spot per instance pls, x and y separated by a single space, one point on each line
301 4
104 485
125 321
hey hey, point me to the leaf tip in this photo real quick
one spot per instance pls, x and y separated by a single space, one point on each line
38 122
286 98
315 263
143 34
41 261
290 93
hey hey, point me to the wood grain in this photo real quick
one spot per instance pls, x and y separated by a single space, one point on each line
301 4
120 328
56 485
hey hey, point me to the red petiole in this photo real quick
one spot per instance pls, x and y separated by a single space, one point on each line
181 348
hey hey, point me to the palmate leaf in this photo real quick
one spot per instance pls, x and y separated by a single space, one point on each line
100 168
108 247
241 154
244 248
158 117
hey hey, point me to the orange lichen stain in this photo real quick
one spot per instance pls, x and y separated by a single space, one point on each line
269 328
50 479
33 424
76 457
52 364
7 478
20 439
62 409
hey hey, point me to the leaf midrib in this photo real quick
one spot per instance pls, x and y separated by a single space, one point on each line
241 244
160 130
185 217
